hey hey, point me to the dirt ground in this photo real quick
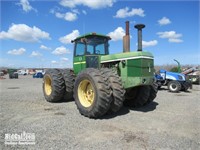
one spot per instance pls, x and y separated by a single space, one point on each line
172 121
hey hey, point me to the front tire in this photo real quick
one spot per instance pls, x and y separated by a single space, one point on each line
53 85
92 93
174 86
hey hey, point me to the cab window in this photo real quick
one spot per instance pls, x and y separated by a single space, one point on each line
80 49
94 45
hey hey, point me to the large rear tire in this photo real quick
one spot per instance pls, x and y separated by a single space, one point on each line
53 85
137 96
116 87
153 93
186 85
92 93
69 78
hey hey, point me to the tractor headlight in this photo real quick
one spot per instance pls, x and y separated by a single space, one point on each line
180 77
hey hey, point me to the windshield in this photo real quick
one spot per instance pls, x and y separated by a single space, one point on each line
94 45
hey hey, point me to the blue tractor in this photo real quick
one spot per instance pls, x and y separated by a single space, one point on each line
174 81
38 75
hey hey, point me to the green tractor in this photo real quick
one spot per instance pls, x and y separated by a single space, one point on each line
101 82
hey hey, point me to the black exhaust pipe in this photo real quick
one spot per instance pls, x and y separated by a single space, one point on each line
139 27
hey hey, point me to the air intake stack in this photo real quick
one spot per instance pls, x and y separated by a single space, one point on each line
126 39
139 27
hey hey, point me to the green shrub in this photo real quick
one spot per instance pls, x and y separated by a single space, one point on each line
174 69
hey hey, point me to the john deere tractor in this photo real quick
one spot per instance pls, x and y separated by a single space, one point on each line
101 82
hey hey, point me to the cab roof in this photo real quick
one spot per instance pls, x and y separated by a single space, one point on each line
90 35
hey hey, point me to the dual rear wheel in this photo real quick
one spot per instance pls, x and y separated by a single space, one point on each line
58 85
97 92
141 95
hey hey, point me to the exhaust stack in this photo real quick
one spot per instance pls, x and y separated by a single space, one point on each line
126 39
139 27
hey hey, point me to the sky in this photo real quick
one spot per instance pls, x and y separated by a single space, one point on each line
38 33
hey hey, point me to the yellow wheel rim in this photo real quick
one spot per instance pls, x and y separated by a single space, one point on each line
47 85
86 93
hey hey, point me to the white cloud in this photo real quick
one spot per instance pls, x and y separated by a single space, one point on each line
64 59
68 16
44 47
172 36
169 34
175 40
75 11
94 4
24 33
124 12
60 51
17 51
149 43
26 6
35 54
117 34
164 21
54 62
59 15
55 9
71 36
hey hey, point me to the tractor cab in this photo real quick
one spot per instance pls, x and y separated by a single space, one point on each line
88 49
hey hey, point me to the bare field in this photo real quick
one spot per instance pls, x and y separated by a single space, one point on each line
172 121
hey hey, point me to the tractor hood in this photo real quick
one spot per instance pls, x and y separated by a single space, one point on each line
125 56
136 68
175 76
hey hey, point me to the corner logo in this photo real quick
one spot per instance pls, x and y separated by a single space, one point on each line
20 139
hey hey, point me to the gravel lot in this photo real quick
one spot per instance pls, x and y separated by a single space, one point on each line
172 121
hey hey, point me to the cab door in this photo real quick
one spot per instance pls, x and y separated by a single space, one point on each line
79 62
